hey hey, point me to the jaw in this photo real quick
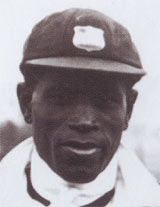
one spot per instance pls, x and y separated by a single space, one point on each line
78 174
79 168
77 165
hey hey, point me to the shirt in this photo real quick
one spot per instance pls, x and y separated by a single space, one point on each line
134 185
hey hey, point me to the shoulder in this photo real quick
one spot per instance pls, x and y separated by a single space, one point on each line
136 182
19 153
12 168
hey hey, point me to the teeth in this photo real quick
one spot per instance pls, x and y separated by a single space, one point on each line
83 152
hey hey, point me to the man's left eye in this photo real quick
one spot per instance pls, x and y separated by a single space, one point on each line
104 100
111 99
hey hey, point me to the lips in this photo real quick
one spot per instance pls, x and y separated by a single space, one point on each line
82 152
81 148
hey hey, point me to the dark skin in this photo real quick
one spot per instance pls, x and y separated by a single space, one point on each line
78 119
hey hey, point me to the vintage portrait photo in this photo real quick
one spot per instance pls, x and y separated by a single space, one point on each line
79 123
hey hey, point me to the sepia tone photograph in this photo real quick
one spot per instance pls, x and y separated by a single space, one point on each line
79 124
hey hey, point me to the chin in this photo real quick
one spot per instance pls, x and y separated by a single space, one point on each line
79 174
78 168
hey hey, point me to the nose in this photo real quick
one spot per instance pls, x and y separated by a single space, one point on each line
83 127
84 121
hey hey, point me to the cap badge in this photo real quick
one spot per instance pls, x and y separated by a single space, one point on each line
88 38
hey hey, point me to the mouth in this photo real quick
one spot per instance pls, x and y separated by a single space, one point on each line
81 148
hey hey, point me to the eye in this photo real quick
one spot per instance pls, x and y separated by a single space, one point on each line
103 100
112 99
60 99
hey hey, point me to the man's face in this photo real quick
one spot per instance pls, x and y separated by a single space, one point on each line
78 119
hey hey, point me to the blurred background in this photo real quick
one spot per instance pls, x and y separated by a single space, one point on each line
142 18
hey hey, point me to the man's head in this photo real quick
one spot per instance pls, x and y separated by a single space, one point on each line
79 68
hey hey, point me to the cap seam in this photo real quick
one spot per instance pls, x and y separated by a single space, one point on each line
68 24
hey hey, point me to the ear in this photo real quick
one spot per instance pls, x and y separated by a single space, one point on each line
131 98
24 94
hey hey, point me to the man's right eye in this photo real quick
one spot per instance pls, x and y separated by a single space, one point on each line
59 99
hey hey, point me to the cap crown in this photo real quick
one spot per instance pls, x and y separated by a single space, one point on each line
54 36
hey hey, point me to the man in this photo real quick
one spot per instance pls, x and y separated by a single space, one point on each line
79 68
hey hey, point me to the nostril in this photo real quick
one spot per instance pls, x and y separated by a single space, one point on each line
84 127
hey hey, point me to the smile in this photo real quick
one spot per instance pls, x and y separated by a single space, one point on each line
80 148
84 151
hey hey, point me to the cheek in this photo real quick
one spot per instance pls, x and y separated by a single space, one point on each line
114 119
49 113
113 125
46 121
43 127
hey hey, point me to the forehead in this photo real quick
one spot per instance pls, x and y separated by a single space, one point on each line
84 80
